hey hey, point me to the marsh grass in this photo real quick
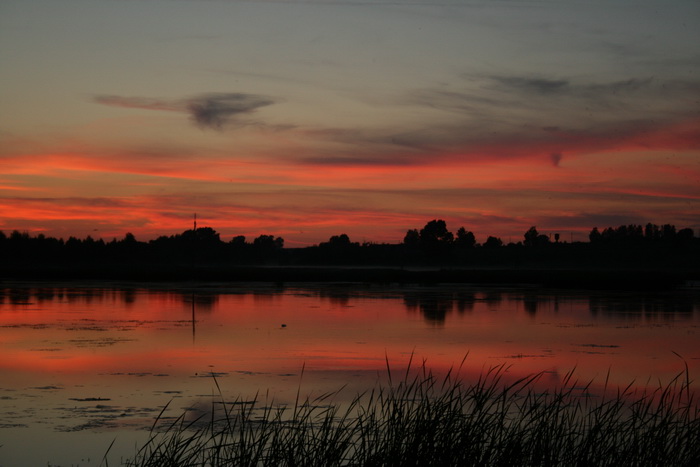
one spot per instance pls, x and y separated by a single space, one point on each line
422 419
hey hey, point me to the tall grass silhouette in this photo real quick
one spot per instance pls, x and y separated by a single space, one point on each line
425 420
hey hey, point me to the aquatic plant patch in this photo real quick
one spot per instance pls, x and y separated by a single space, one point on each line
428 420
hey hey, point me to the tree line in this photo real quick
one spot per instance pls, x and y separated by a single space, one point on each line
432 243
635 234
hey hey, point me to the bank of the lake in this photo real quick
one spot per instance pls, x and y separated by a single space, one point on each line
573 278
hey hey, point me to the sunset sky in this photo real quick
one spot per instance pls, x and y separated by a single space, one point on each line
306 119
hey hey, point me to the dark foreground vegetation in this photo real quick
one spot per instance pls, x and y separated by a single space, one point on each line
426 420
626 256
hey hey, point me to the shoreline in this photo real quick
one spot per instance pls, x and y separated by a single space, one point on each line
573 278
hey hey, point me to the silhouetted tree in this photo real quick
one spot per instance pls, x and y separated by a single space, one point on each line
339 249
635 231
339 240
669 232
238 241
465 239
651 232
685 236
412 238
71 243
268 242
20 237
493 242
435 233
264 241
435 239
608 234
595 236
534 238
207 235
632 234
339 243
531 236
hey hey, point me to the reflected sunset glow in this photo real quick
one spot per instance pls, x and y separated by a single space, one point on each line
73 357
279 331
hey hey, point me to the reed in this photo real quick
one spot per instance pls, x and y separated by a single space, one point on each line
424 420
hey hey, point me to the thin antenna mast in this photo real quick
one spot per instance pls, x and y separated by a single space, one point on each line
194 261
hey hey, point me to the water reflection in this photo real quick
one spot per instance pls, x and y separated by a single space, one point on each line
433 307
493 299
434 304
31 295
129 296
663 307
340 298
65 349
205 302
534 302
530 303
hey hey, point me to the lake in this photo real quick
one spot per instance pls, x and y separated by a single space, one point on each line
85 366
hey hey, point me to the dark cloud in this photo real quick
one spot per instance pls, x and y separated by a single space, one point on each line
455 100
504 117
215 110
504 99
212 110
139 103
365 147
465 142
556 158
535 85
561 87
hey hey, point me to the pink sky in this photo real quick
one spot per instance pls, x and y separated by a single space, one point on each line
310 120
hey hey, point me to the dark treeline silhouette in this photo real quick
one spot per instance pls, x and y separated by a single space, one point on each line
627 247
636 234
202 244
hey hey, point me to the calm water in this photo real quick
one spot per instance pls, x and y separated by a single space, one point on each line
82 366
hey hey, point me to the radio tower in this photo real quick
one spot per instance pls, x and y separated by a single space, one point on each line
195 221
